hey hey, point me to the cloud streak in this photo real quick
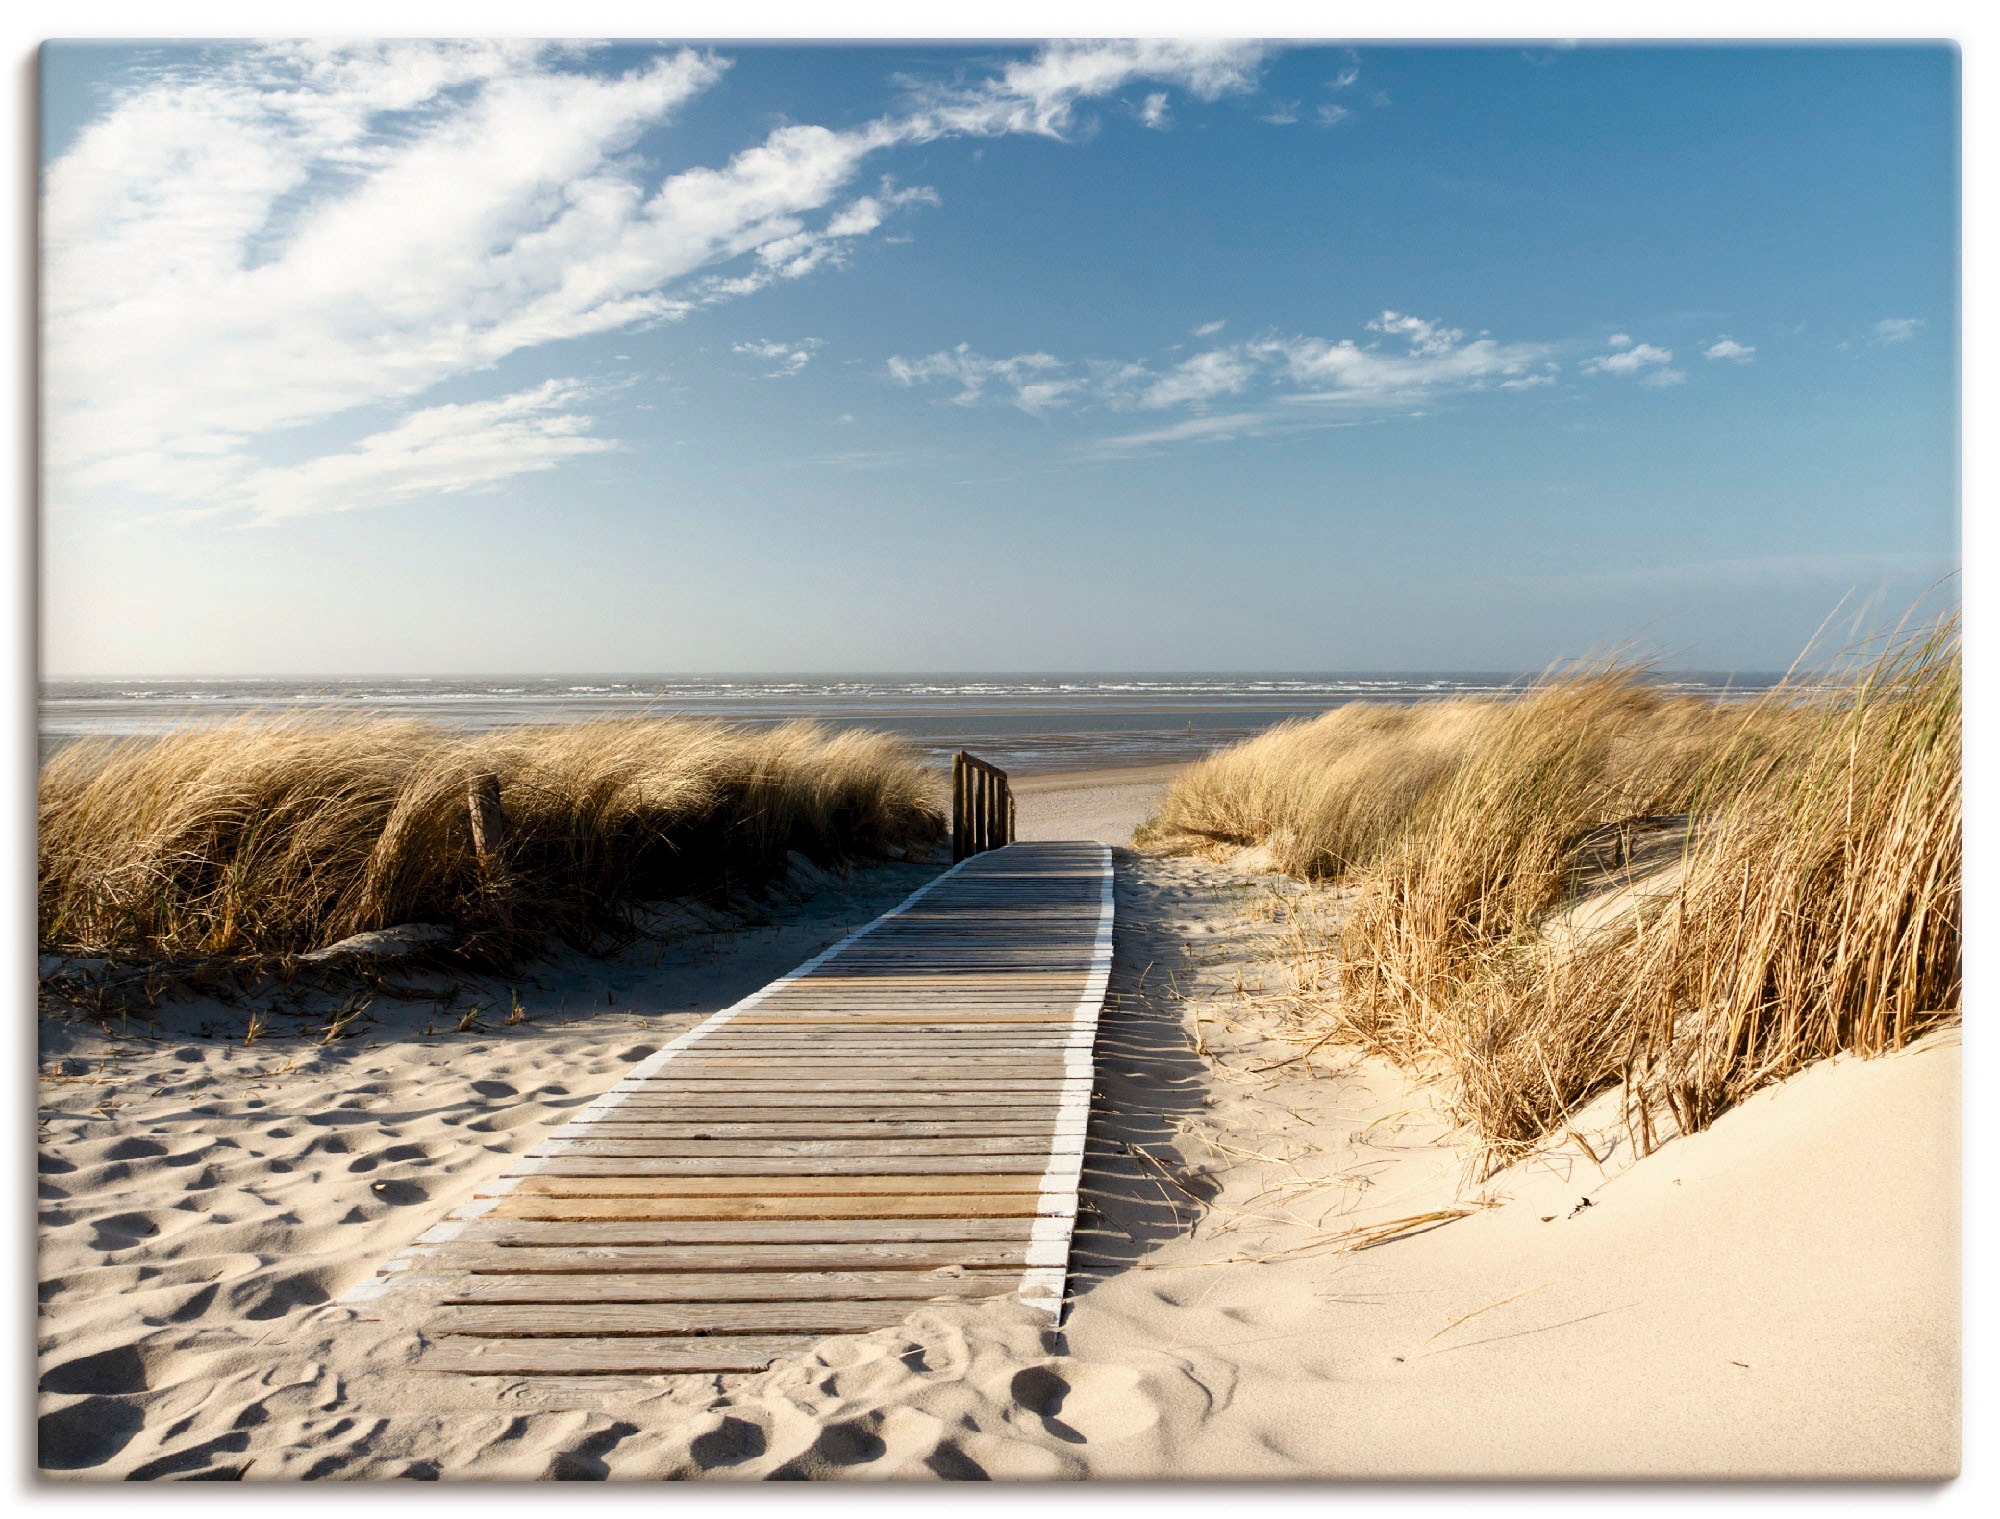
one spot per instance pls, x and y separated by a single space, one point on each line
1405 362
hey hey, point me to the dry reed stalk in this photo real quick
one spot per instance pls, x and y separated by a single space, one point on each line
1818 908
276 836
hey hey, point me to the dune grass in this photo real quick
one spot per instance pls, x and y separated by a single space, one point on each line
274 836
1816 910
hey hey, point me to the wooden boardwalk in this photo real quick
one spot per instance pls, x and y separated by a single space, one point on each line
899 1120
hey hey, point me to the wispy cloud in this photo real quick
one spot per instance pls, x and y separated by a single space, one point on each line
785 359
1729 348
440 450
1405 361
1153 111
1032 381
1206 429
1627 357
1283 113
274 236
1897 329
1209 329
1332 115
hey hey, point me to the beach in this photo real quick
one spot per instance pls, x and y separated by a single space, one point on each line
1776 1296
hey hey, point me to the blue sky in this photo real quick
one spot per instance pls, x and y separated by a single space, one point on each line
478 357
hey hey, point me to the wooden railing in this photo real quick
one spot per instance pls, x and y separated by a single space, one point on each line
982 807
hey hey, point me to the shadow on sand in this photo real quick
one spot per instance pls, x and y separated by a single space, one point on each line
1136 1192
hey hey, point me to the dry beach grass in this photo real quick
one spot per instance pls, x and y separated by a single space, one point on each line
272 836
1814 908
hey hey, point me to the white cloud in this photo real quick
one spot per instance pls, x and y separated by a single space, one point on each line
1437 358
1153 113
1630 358
1040 94
1620 340
784 358
1332 115
1031 378
1411 360
283 234
1204 429
1349 72
1729 348
1202 378
1283 113
1897 329
441 450
1663 379
1209 329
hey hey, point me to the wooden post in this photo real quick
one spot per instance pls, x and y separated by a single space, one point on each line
958 807
979 838
489 823
1010 813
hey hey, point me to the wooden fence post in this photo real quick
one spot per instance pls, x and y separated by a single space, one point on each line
489 823
958 808
982 807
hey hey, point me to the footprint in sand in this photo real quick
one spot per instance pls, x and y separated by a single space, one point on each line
121 1231
85 1434
1085 1403
119 1369
730 1443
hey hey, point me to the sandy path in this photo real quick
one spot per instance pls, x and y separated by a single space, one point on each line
1105 805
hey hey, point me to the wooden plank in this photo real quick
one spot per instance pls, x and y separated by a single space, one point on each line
739 1260
809 1185
733 1286
828 1166
1038 1092
861 1103
883 1208
905 1148
959 1229
532 1321
789 1127
600 1356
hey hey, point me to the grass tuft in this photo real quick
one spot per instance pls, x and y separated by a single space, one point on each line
277 836
1811 906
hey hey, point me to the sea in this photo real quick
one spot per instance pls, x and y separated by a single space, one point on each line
1024 723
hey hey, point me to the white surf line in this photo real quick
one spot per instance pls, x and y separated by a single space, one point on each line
397 1268
1048 1246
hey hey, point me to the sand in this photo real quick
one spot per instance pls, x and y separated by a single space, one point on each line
1775 1297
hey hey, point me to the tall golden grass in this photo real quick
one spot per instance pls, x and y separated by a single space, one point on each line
1817 906
276 836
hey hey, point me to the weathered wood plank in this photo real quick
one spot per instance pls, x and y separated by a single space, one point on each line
751 1150
807 1185
732 1286
839 1096
600 1356
735 1233
790 1127
829 1166
882 1208
740 1260
533 1321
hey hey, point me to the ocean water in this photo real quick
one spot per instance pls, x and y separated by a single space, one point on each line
1026 723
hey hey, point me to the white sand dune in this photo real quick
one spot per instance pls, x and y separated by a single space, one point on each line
1775 1297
